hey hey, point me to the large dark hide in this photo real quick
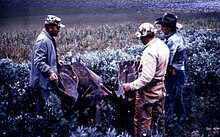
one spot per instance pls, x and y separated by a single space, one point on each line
124 102
80 89
128 72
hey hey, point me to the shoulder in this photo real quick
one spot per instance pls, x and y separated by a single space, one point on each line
162 46
160 42
42 42
175 37
43 37
156 47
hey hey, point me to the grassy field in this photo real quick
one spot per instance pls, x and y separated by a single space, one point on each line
100 37
101 47
17 44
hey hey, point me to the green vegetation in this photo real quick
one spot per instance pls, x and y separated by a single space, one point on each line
101 48
18 46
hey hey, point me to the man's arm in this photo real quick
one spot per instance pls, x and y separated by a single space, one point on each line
40 57
148 72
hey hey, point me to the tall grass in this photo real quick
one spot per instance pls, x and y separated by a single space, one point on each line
18 45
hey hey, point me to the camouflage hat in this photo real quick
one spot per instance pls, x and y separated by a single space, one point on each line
145 29
51 19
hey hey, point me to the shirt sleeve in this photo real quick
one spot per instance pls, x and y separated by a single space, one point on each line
148 72
173 48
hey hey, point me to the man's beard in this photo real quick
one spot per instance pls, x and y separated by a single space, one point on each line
54 34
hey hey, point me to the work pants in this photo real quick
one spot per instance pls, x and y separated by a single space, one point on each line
149 111
43 99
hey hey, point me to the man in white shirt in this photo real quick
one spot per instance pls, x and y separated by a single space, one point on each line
150 82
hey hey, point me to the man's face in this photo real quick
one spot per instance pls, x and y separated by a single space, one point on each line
54 30
165 29
143 40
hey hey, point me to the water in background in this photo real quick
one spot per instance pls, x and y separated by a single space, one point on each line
28 17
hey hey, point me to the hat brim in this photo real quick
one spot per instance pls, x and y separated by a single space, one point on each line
61 25
159 21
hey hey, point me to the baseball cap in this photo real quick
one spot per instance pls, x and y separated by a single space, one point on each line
51 19
145 29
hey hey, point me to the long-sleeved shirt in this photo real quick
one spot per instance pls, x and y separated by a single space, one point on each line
154 63
177 51
44 61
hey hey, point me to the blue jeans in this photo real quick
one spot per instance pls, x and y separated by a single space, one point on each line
175 100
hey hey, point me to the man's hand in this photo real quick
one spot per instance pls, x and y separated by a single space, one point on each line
60 62
126 87
171 70
53 76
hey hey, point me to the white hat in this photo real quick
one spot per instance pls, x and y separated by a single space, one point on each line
145 29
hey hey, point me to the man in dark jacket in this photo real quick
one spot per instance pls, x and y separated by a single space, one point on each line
45 63
175 102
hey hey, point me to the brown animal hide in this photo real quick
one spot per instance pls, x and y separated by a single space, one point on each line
128 72
124 102
68 82
77 82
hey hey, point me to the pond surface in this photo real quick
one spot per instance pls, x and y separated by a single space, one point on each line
28 18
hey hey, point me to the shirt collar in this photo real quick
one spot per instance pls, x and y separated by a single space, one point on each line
151 42
47 34
169 35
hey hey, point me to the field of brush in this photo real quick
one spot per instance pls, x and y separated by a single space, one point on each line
101 48
100 40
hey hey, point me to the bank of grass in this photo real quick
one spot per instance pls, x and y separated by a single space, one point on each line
17 45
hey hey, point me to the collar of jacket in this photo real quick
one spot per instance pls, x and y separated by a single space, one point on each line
150 42
169 35
47 34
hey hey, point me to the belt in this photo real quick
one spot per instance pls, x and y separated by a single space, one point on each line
155 82
179 62
179 66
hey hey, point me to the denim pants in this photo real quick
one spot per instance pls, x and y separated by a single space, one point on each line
175 100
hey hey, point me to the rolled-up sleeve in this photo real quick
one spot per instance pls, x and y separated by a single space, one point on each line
148 71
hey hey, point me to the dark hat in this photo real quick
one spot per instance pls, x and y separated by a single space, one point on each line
169 20
51 19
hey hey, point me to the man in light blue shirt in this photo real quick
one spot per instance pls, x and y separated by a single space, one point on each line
175 78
